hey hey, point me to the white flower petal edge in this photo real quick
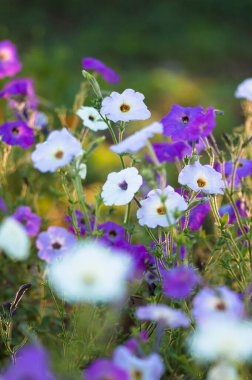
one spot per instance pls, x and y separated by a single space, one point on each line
125 107
201 178
154 212
91 118
14 240
138 140
120 187
244 90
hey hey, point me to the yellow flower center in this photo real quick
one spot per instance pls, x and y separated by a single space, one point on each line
161 210
137 374
201 182
59 154
125 107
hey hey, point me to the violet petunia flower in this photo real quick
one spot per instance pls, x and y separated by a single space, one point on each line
3 206
54 242
113 233
20 94
244 168
179 282
32 363
188 123
228 209
197 216
9 61
28 219
105 369
17 133
90 63
81 225
170 151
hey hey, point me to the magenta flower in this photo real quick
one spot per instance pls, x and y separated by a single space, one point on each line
102 369
9 61
29 220
32 363
54 242
17 133
20 94
89 63
187 123
179 282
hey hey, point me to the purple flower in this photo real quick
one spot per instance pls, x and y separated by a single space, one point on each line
197 216
228 209
3 206
32 363
102 369
30 221
186 123
80 223
54 242
170 151
112 232
179 282
17 133
244 168
209 303
9 61
20 94
163 314
89 63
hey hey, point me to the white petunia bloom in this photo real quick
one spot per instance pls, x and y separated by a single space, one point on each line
138 140
201 178
90 272
223 371
81 167
161 208
120 188
125 107
244 90
91 119
57 151
222 338
14 240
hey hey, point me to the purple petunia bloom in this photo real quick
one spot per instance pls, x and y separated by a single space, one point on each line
20 94
112 232
80 223
179 282
29 220
17 133
89 63
244 168
170 151
32 363
9 61
105 369
187 123
54 242
197 216
228 209
210 303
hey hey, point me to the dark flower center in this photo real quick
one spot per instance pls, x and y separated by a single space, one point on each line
137 374
123 185
125 108
201 182
221 306
161 210
59 154
112 233
91 118
15 131
240 165
56 245
185 119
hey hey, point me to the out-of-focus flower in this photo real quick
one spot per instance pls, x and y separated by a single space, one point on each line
105 369
28 219
91 119
54 242
244 90
80 166
120 187
14 240
9 61
163 314
186 123
221 301
223 371
228 209
32 363
179 282
91 272
138 140
3 206
160 208
222 338
148 368
170 151
197 216
57 151
125 107
81 225
244 168
90 63
17 133
201 178
20 94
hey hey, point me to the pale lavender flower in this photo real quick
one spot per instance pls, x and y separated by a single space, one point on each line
102 369
179 282
163 314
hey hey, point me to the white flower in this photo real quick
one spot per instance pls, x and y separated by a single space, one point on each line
14 240
81 167
125 107
138 140
223 371
160 208
57 151
201 178
244 90
90 272
148 368
91 119
120 188
222 338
